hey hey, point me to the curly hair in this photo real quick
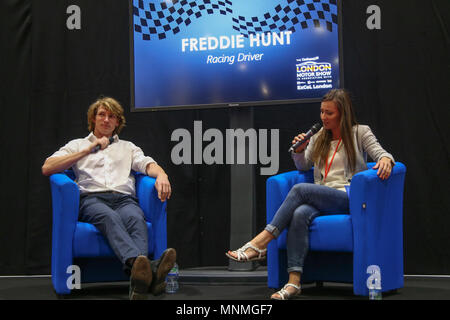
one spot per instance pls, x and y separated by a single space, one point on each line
109 104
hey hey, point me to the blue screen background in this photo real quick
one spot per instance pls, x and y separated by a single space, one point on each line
166 76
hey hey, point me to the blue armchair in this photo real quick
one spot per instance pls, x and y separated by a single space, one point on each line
343 246
79 243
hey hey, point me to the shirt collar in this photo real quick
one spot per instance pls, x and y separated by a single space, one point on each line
92 138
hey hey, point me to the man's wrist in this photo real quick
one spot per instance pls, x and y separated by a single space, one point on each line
162 175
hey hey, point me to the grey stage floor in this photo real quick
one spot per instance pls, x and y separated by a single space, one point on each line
219 284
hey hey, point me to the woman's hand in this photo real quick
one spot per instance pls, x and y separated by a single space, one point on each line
298 138
384 166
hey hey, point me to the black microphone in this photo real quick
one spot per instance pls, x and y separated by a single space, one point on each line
97 147
309 134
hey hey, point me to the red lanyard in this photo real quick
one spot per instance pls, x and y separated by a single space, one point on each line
327 167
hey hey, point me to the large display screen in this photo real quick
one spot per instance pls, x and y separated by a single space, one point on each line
216 53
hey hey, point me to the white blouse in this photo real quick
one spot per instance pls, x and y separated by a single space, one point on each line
336 176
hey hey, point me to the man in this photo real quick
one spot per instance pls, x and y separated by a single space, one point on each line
102 165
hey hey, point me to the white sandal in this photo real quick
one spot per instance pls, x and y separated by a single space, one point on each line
243 257
285 295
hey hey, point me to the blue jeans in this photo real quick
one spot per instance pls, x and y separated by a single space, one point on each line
304 202
120 220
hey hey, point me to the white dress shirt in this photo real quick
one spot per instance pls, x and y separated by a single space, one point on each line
108 169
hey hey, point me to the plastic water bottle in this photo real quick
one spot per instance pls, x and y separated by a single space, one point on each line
172 280
374 293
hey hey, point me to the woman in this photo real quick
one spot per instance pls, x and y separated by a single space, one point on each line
337 151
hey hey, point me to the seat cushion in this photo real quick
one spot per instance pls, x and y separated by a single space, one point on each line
89 242
327 233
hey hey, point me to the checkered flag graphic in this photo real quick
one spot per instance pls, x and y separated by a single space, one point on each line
158 21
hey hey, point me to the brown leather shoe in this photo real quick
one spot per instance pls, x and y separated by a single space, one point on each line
141 278
160 269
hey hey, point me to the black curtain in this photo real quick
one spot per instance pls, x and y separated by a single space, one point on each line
399 78
15 103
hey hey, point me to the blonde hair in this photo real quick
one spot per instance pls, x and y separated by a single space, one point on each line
112 106
322 146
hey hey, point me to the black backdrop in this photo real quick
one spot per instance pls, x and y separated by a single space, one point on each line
399 77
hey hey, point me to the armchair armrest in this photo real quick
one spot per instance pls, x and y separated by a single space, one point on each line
65 206
154 210
376 208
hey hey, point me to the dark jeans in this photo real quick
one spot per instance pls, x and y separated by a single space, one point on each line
304 202
121 221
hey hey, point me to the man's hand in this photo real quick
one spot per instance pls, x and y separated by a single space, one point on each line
103 142
384 166
162 185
